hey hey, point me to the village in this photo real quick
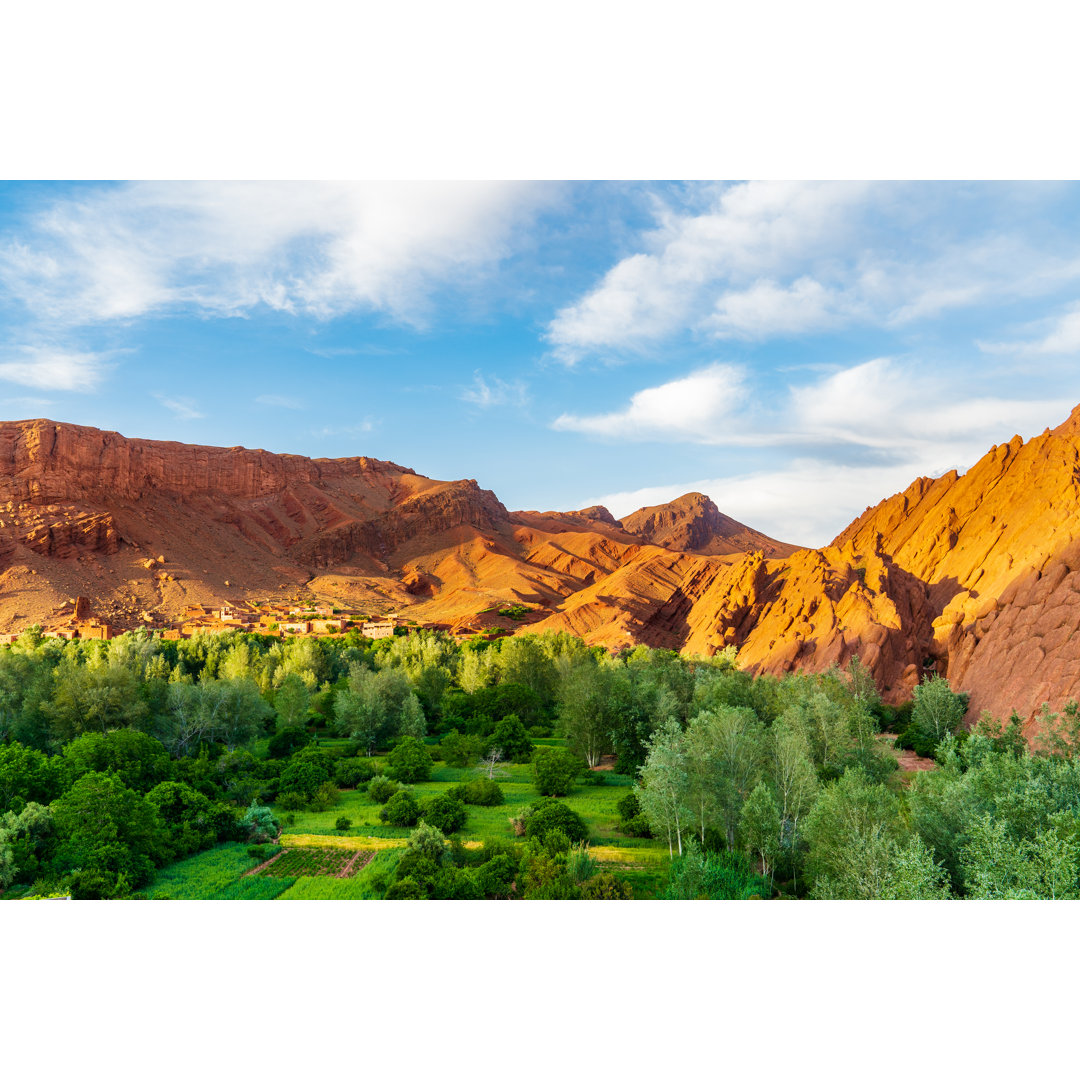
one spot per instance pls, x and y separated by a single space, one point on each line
76 620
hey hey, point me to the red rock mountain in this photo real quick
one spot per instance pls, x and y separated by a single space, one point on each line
693 523
976 576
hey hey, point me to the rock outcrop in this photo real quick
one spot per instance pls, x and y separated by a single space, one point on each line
693 523
974 576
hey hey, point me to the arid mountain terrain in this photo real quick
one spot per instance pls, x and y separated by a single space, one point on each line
975 576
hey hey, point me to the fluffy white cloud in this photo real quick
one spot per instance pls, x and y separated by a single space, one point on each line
889 422
762 260
53 369
224 248
697 408
770 309
751 231
486 392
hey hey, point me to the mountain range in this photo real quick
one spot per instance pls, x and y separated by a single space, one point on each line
974 576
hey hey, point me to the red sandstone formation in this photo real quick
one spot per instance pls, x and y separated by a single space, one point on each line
692 522
977 577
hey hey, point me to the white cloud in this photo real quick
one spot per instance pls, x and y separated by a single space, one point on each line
1061 337
184 408
47 368
888 421
486 392
225 248
279 401
769 309
763 260
696 408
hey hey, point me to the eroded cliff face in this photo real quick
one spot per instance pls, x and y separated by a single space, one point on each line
693 523
974 576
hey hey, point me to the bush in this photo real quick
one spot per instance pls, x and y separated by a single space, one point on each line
554 771
401 810
409 761
495 878
444 812
258 825
637 826
628 807
479 792
406 889
343 824
262 852
511 738
461 750
580 864
352 772
287 741
606 886
453 884
382 790
548 815
429 841
325 796
303 778
292 800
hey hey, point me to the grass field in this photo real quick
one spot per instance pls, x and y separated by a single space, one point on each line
316 851
214 875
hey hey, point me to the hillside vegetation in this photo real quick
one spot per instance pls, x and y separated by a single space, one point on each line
246 767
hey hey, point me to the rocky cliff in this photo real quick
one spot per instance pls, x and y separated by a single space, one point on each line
974 576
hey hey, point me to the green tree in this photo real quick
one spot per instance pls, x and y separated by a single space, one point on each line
292 701
664 791
937 711
104 826
409 761
554 771
759 827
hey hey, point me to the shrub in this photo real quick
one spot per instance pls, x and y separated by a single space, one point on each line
343 824
429 841
628 807
510 736
580 865
495 878
352 772
287 741
479 792
417 865
292 800
461 750
520 822
326 795
549 814
401 810
596 777
258 825
606 886
406 889
453 884
409 761
381 790
554 771
303 778
444 812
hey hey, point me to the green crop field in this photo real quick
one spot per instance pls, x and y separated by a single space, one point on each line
214 875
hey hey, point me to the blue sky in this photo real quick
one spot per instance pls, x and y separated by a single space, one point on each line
795 350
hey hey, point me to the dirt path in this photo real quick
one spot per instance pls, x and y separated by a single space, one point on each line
351 868
908 760
263 865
